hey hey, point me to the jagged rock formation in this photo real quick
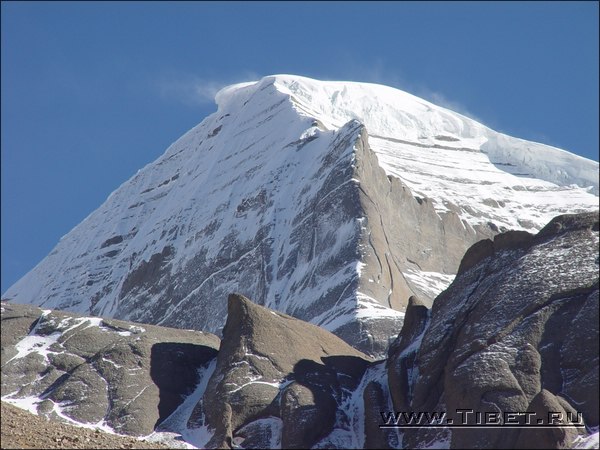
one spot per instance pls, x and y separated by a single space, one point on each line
333 202
517 331
100 372
277 379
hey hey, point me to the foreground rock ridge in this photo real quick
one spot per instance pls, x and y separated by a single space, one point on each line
106 373
516 331
334 202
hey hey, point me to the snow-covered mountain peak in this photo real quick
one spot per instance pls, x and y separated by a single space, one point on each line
330 201
382 109
394 115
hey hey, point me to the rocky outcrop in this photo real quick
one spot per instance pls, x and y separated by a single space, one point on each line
333 202
127 376
402 354
404 232
277 375
400 233
515 332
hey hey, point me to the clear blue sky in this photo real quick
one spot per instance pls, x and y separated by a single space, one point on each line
93 91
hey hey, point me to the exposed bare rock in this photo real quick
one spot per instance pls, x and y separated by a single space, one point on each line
99 371
272 366
332 202
517 330
551 408
403 352
375 403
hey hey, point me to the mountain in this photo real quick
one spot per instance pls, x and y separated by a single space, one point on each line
333 202
516 332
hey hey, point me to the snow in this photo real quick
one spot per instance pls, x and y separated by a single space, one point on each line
172 439
369 308
431 283
271 423
268 140
176 423
348 430
255 378
590 441
40 344
448 157
35 344
31 403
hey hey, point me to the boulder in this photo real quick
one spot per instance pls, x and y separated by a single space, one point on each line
94 370
517 329
272 365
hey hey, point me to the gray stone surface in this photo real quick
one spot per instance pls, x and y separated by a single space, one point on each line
518 320
402 232
516 331
374 403
272 365
128 375
550 407
402 353
307 412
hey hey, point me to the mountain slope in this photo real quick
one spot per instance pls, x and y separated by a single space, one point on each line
515 334
332 202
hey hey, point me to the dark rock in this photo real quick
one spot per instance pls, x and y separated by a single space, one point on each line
547 406
308 414
261 433
579 353
401 358
112 241
519 319
569 222
174 370
485 248
475 254
261 352
415 320
513 239
17 322
375 403
145 275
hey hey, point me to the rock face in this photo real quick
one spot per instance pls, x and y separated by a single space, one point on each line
97 371
277 378
516 331
333 202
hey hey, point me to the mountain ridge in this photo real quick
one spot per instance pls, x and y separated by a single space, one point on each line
263 198
516 331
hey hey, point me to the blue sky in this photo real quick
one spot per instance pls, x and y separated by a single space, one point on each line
93 91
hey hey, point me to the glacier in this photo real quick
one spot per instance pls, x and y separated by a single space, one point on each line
330 201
